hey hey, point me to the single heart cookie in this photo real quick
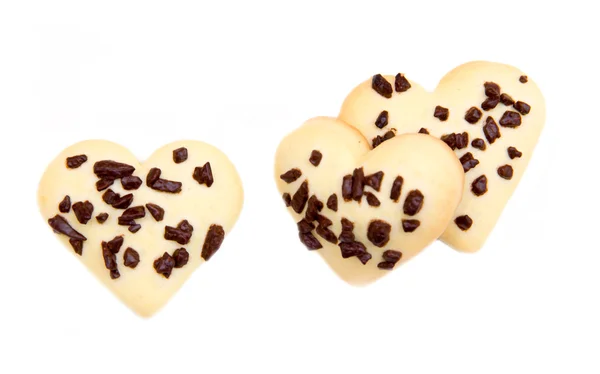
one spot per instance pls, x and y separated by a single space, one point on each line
490 114
366 211
142 229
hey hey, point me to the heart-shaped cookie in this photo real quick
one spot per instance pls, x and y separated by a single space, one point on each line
490 114
366 211
141 228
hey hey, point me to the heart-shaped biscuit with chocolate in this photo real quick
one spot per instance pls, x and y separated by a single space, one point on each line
489 114
141 228
366 211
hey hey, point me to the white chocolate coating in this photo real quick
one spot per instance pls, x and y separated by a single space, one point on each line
143 289
424 162
459 90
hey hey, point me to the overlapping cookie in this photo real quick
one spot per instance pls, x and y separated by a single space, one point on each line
489 114
141 228
366 211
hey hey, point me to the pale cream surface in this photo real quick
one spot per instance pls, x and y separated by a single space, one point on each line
458 91
424 162
142 289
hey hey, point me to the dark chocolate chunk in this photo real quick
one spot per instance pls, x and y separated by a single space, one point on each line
376 141
462 140
324 221
153 176
65 205
103 184
410 225
300 198
181 234
523 79
309 240
491 89
413 202
463 222
203 175
76 161
374 180
110 197
505 171
77 245
490 103
131 258
396 188
332 202
156 211
478 143
102 217
347 187
114 274
110 259
522 107
401 83
185 226
473 115
60 225
423 131
180 155
479 185
364 257
491 130
351 249
327 234
441 113
131 182
291 175
379 232
388 135
382 119
313 207
164 265
164 185
510 119
381 86
212 242
315 157
513 153
468 161
506 99
114 245
123 202
358 184
125 221
305 226
83 211
131 214
347 227
386 265
181 257
287 199
372 200
450 140
392 256
108 169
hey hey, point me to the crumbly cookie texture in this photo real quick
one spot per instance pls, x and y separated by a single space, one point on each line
489 114
141 228
366 211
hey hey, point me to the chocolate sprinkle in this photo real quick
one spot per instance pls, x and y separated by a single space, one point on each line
479 185
154 181
490 103
522 107
203 175
468 161
131 182
65 205
347 235
506 99
181 257
305 226
513 153
463 222
315 157
327 234
385 265
108 169
153 176
332 202
309 240
180 155
510 119
287 199
479 144
313 207
382 119
379 232
110 260
131 258
351 249
372 200
523 79
212 242
60 225
181 234
410 225
450 140
491 130
462 140
77 245
364 257
358 184
401 83
390 258
83 211
300 198
347 187
291 175
381 86
423 131
396 188
103 184
505 171
110 197
131 214
388 135
491 89
413 202
473 115
441 113
156 211
164 265
115 244
374 180
76 161
123 202
102 217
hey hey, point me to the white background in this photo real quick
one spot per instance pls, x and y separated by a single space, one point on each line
241 75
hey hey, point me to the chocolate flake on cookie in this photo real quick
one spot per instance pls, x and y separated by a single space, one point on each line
506 172
372 200
122 202
523 79
180 234
83 211
382 86
212 242
358 183
203 175
108 169
156 211
463 222
382 119
291 175
115 244
309 240
491 130
490 103
102 217
413 202
131 258
479 185
180 155
315 157
355 249
76 161
450 140
130 215
410 225
379 232
287 199
110 197
510 119
462 140
396 188
300 198
305 226
60 225
379 139
441 113
491 89
522 107
134 228
313 207
154 181
347 187
506 99
65 205
513 153
390 258
103 184
332 202
346 235
77 246
110 261
479 144
327 234
164 265
401 83
423 130
181 257
374 180
468 161
131 182
473 115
